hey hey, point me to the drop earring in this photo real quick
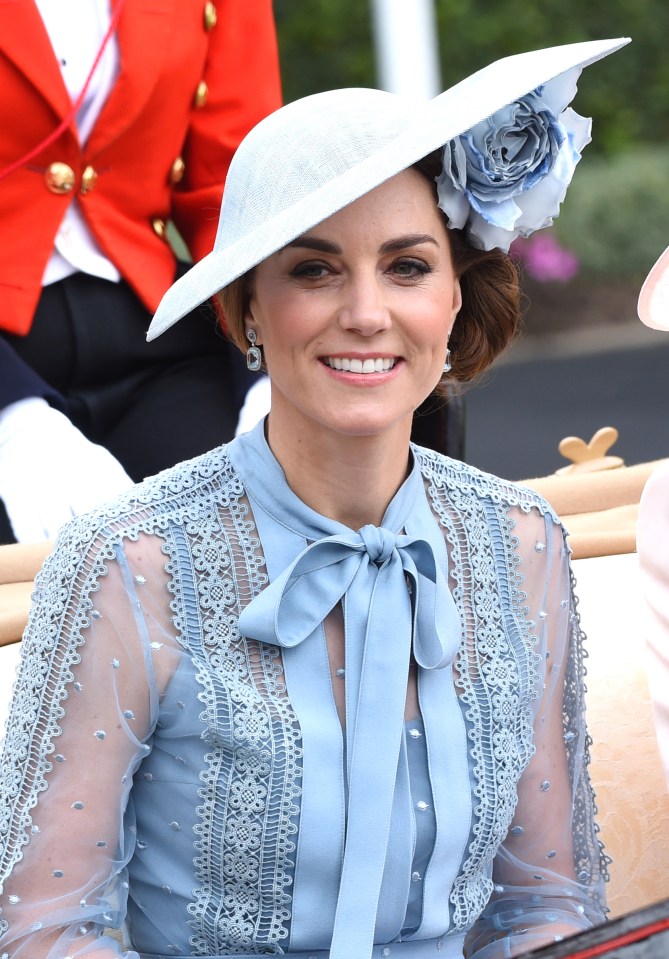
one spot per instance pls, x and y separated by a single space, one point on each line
253 354
447 361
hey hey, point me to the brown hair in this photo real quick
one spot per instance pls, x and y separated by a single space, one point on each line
488 319
231 304
490 315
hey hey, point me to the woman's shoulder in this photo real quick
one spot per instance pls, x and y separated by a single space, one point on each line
167 499
455 476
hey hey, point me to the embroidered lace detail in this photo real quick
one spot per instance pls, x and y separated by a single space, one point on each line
33 723
496 674
249 797
250 789
55 631
453 474
498 670
591 861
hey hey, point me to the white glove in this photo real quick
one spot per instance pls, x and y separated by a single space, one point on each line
256 405
49 471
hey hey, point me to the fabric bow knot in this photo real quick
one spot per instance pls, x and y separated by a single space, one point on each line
370 569
379 543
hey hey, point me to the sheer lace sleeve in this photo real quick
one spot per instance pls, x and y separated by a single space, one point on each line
96 653
549 873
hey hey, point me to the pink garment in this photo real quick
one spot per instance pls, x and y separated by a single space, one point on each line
653 550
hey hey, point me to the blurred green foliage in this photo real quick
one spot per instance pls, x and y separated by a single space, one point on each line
616 213
329 43
324 44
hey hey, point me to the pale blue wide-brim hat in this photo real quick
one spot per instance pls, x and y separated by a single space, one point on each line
316 155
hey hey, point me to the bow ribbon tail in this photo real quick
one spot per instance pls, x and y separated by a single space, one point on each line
437 628
375 732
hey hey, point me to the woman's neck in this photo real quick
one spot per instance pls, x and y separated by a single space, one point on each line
350 479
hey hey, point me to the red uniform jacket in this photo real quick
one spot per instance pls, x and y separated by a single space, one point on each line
158 111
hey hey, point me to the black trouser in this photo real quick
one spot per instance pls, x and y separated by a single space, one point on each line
150 404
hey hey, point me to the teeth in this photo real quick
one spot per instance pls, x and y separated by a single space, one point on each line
354 365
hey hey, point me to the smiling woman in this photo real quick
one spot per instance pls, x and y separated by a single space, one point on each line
320 692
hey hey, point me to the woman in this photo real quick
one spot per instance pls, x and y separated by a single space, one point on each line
320 692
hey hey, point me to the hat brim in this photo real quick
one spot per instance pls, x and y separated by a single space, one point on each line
442 119
653 305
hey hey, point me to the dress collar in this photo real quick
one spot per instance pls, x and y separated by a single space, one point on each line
265 482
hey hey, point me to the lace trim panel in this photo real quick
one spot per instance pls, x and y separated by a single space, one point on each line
590 859
455 475
497 658
250 787
34 721
497 674
60 615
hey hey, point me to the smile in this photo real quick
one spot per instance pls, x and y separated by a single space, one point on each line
380 364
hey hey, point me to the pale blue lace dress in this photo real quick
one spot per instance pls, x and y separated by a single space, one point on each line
179 772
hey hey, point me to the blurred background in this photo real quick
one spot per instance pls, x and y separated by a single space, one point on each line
584 360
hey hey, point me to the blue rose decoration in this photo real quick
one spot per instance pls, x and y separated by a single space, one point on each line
507 176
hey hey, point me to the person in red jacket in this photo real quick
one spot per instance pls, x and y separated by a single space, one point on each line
117 117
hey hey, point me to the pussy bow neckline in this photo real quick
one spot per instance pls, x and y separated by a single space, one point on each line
391 581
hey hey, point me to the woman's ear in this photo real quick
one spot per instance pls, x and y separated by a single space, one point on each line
248 305
457 299
250 321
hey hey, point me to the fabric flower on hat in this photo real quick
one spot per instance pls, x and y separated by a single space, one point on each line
507 175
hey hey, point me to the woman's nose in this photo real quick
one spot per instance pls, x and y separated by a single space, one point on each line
364 309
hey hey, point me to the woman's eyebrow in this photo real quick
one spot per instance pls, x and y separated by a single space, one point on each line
403 242
314 243
390 246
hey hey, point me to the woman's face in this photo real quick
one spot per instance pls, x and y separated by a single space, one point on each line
354 316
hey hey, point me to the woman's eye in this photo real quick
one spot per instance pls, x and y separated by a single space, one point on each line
410 268
311 271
